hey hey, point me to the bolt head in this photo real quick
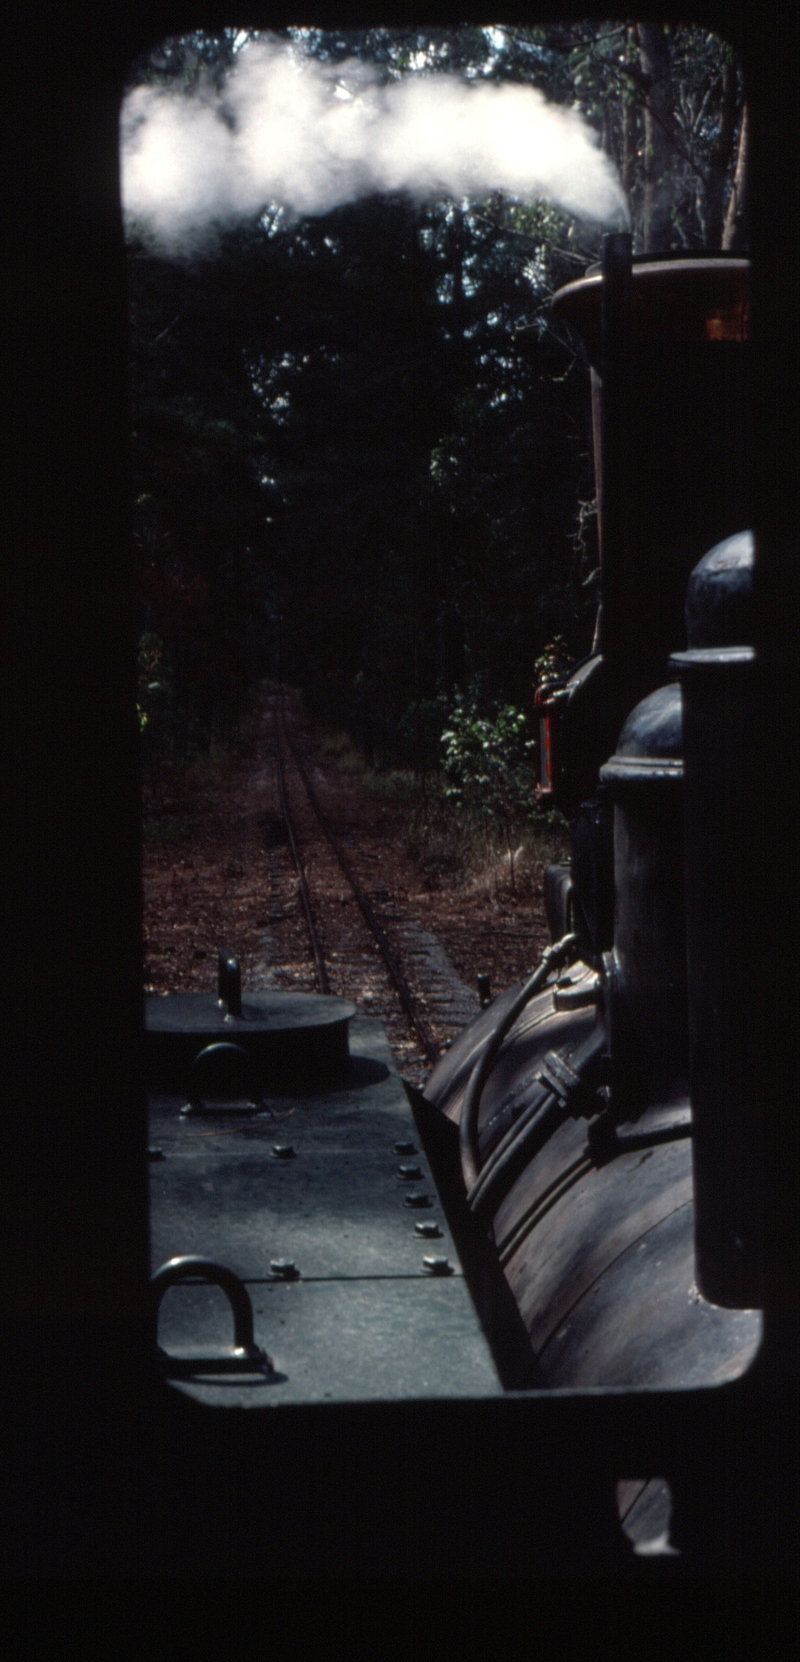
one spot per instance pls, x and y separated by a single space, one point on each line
409 1173
417 1199
428 1227
285 1269
437 1266
405 1148
283 1151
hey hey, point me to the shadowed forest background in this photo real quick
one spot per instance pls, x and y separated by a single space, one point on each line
353 473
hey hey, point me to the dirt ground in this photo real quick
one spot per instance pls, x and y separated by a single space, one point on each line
217 873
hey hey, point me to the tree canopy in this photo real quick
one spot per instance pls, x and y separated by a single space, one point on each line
347 472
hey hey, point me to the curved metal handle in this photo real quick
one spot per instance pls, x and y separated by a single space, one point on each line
208 1060
204 1271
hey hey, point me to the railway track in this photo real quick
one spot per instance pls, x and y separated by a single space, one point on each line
393 969
323 981
219 869
359 940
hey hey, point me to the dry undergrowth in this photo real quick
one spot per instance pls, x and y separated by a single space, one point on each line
458 849
206 867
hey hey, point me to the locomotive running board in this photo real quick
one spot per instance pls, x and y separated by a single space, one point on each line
326 1208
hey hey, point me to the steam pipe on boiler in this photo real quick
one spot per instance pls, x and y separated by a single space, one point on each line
560 953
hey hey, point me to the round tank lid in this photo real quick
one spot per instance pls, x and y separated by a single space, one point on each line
719 597
650 745
673 301
274 1012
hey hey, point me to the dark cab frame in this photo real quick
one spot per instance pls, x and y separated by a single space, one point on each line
107 1471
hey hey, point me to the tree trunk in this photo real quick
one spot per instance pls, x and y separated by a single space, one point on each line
659 141
511 873
458 292
719 160
628 141
736 233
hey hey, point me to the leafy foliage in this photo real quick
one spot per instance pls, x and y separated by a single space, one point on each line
149 689
555 661
487 765
487 761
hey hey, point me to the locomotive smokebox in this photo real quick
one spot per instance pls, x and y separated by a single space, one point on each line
669 338
668 346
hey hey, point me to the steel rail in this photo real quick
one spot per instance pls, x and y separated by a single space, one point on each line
316 945
395 974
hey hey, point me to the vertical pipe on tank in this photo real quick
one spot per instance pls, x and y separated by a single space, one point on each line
724 915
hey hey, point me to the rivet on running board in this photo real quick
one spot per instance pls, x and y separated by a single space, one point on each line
285 1269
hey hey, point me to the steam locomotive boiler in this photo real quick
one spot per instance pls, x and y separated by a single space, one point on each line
590 1155
605 1222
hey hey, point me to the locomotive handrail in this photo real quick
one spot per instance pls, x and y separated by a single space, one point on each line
224 1050
205 1272
544 1117
563 951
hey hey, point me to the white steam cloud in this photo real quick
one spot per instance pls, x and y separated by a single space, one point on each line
288 130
